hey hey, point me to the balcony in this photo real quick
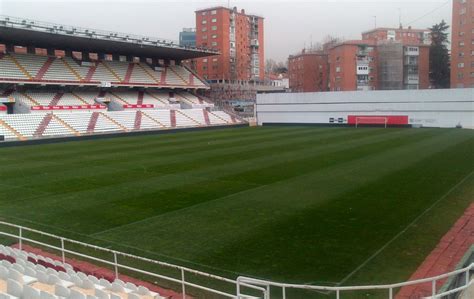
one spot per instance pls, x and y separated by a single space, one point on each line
411 79
362 69
412 51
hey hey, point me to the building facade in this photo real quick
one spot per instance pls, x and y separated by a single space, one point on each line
462 44
239 37
187 37
308 72
385 59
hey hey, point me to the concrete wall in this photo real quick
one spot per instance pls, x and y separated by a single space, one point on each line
428 108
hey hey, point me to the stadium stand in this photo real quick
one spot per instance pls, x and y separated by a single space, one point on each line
27 275
37 69
65 94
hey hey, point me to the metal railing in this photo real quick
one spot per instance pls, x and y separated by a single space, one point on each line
389 288
259 286
117 266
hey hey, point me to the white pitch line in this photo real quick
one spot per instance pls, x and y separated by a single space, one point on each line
404 230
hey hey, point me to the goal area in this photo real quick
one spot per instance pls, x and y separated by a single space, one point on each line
371 120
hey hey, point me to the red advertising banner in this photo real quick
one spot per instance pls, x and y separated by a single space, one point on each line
138 106
79 107
378 119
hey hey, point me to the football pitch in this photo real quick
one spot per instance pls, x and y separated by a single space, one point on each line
293 204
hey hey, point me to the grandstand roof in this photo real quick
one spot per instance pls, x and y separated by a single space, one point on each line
24 32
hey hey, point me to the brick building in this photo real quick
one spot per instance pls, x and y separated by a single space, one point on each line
384 59
462 44
308 72
240 39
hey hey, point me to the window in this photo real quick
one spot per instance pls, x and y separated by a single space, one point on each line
462 11
204 60
461 54
204 13
214 36
214 44
204 37
204 22
204 29
461 44
213 12
214 59
338 69
472 74
461 65
460 75
214 27
214 20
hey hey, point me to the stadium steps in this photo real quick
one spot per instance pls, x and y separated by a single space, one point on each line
20 67
155 120
163 75
129 72
206 116
150 74
61 121
179 75
43 125
92 122
111 71
173 118
138 120
42 71
90 73
11 129
30 98
189 117
69 67
79 98
114 121
57 97
155 97
140 98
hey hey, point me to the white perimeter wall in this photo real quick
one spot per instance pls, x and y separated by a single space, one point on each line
429 108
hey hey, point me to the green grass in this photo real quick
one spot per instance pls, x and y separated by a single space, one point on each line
296 204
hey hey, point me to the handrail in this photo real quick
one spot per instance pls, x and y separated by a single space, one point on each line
259 285
117 265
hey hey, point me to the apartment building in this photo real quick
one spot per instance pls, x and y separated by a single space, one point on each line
384 59
462 44
240 39
308 71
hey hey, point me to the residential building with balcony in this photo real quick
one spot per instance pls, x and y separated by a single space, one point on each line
462 44
239 37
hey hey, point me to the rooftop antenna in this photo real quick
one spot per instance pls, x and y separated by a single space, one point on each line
400 17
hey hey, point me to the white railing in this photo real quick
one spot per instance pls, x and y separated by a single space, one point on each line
262 287
117 266
389 288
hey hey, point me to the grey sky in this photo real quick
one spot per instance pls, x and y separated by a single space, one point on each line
289 25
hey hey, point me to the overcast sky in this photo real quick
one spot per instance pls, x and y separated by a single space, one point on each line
289 25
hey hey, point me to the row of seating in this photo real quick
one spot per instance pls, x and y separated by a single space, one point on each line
42 69
29 276
158 98
38 125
